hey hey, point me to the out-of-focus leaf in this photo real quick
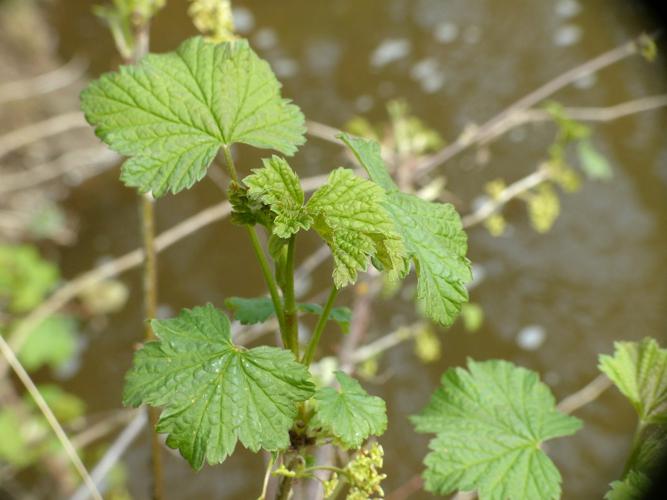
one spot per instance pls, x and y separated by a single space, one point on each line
635 486
25 278
594 164
52 343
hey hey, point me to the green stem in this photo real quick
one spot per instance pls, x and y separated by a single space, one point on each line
229 161
271 283
635 450
263 262
319 328
291 317
330 468
267 476
285 486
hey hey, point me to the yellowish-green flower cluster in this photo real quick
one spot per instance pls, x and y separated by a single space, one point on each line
213 18
543 207
330 485
364 475
495 223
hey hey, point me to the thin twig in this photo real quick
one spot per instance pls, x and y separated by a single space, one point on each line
37 131
114 453
512 191
44 83
491 127
100 429
383 343
25 379
587 394
599 114
324 132
73 161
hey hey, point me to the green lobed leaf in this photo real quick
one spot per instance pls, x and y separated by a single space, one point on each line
341 315
172 112
639 370
433 236
350 414
350 215
52 343
635 486
25 278
251 311
277 186
215 393
490 421
260 309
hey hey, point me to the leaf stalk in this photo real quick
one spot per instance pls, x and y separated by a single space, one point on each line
261 257
319 328
291 315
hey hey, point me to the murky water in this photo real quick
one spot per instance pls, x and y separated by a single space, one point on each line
598 276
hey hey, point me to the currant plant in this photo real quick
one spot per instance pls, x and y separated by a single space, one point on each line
172 115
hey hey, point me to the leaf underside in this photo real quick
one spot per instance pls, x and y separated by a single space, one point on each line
433 236
215 393
490 421
172 112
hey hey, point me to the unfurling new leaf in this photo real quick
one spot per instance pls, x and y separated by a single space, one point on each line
635 486
350 215
433 236
215 393
277 186
348 212
639 370
349 414
490 421
172 112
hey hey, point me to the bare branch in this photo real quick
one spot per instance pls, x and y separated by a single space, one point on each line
601 114
585 395
114 453
37 131
89 159
499 121
509 193
324 132
44 83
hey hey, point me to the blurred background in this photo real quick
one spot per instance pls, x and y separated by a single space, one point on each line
561 274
